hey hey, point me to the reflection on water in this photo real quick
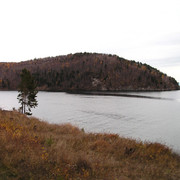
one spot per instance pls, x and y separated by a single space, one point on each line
140 118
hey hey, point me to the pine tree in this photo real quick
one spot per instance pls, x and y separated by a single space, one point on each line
27 92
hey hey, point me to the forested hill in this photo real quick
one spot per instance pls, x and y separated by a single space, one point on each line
87 71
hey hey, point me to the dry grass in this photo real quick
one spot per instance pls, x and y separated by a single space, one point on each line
31 149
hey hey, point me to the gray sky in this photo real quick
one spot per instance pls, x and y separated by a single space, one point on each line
142 30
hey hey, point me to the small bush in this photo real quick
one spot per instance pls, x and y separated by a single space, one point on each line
49 141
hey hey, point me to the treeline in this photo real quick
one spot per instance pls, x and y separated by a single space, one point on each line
87 71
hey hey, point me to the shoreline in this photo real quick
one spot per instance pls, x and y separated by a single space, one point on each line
78 91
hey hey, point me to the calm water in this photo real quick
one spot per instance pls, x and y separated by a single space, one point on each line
139 118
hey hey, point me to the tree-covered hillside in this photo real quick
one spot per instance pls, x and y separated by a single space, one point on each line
87 71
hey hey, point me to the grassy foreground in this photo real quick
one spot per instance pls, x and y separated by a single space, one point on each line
31 149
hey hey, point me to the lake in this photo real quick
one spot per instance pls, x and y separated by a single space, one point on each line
148 119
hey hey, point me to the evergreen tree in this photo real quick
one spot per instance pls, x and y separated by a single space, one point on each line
27 92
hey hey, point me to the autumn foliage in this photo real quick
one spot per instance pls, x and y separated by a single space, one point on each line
87 71
32 149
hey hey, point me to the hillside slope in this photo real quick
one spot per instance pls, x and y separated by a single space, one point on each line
31 149
87 71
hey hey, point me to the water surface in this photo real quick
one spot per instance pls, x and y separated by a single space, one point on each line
140 118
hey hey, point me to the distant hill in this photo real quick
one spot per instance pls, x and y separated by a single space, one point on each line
87 71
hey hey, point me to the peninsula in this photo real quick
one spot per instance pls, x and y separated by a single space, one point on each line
87 72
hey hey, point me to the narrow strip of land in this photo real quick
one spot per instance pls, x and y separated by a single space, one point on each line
96 93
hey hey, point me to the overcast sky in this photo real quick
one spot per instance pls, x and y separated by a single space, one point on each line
142 30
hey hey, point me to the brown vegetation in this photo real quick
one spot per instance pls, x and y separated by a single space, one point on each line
31 149
87 71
